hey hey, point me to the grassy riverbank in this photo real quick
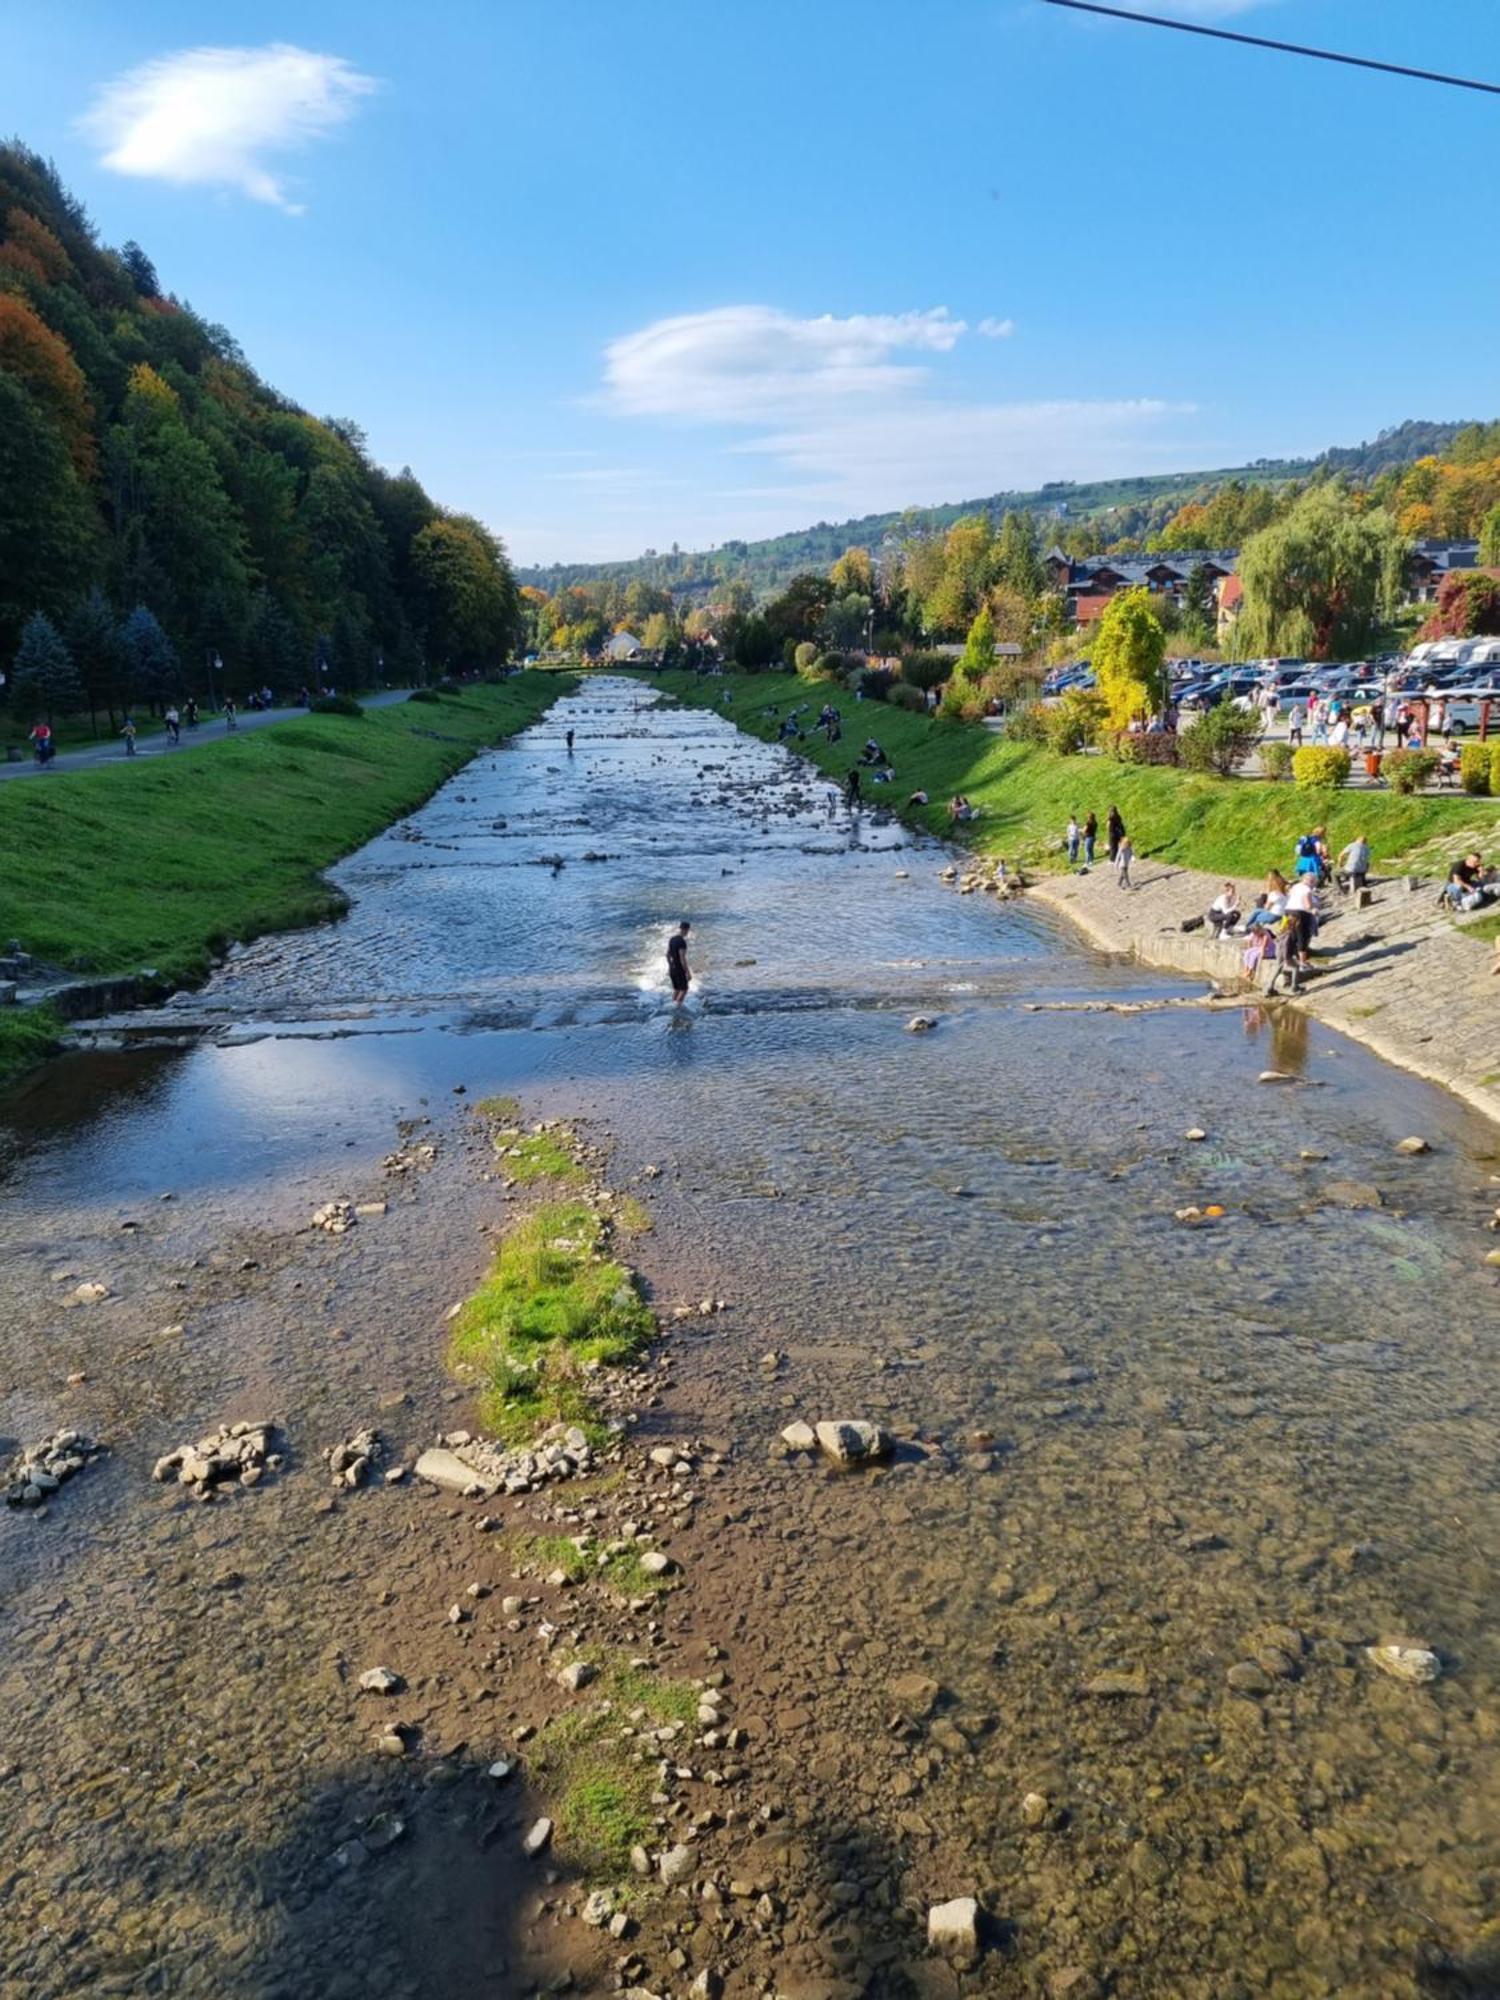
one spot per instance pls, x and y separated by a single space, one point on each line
162 864
1232 826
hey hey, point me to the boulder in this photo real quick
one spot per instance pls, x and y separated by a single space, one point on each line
1403 1661
853 1442
443 1468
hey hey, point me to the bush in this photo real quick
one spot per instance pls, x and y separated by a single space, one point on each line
902 695
424 694
926 670
1142 748
1475 762
335 704
831 667
1495 770
875 683
1031 723
1219 740
1276 759
1409 770
804 656
1074 722
1317 764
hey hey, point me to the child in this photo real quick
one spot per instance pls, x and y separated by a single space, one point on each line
1073 836
1124 855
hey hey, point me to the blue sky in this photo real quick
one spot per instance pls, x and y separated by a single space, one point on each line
614 276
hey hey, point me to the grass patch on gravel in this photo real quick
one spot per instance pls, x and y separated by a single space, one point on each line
600 1781
581 1559
1234 826
556 1307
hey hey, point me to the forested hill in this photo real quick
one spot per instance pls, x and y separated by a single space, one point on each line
159 503
1122 509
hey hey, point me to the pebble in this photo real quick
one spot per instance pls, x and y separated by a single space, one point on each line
654 1563
538 1836
1195 1132
1115 1685
380 1680
1248 1678
42 1468
920 1024
1413 1145
800 1437
577 1674
239 1452
676 1864
1416 1665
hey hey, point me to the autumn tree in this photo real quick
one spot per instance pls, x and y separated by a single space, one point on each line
42 360
853 574
1127 658
469 594
978 655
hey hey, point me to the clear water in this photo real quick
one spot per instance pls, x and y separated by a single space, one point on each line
1162 1440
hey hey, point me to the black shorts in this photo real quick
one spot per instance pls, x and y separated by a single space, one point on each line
679 980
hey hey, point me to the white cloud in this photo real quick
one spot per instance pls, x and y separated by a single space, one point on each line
214 117
923 453
747 364
996 329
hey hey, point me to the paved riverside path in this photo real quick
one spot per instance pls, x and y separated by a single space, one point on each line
1399 976
210 730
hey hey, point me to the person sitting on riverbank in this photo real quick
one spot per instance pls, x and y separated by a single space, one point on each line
918 799
1224 910
872 752
1276 888
960 811
1470 885
1353 869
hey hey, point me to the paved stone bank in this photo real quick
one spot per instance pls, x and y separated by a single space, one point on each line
1398 976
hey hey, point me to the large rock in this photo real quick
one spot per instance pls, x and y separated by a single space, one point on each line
915 1695
853 1442
953 1929
443 1468
800 1437
677 1864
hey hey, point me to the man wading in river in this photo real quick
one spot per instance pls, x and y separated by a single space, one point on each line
677 962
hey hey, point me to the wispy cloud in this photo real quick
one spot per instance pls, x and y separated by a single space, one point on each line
996 329
218 117
747 364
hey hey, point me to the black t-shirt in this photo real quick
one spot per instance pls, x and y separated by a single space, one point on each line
677 946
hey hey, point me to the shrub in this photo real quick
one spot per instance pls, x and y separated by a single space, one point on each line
830 667
1495 770
1318 764
1074 722
1409 770
1219 740
1475 762
875 683
448 685
926 670
1031 723
1142 748
335 704
903 695
424 694
804 656
1276 759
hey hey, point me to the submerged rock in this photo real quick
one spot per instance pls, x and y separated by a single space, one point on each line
853 1442
1416 1665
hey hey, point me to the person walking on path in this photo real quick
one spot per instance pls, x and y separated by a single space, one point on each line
174 725
190 710
1114 828
1073 836
231 717
1090 835
677 962
851 786
1294 722
1124 855
128 732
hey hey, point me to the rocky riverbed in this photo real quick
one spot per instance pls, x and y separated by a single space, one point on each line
1156 1656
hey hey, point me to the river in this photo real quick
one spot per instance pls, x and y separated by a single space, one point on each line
1130 1447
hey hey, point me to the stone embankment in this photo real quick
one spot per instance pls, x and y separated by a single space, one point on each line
1397 975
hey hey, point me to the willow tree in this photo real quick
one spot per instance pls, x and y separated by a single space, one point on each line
1127 659
1320 582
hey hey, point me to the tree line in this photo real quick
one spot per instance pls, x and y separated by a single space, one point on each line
165 514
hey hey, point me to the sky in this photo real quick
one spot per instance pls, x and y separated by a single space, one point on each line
614 277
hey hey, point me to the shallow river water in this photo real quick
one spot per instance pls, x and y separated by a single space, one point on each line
1130 1448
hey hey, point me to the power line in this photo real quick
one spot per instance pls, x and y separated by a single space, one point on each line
1282 48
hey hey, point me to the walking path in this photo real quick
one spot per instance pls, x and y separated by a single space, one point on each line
210 730
1400 976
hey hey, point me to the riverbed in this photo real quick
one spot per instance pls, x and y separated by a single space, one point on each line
1131 1447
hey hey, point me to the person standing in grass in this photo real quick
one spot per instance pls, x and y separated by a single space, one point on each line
1114 827
1124 855
677 962
1090 836
1073 836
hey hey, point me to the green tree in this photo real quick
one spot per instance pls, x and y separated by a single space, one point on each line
853 574
1016 559
92 633
1127 656
469 595
754 643
48 539
1489 539
149 656
1320 581
978 656
43 678
846 623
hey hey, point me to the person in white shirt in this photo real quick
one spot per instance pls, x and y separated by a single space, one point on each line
1302 917
1224 910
